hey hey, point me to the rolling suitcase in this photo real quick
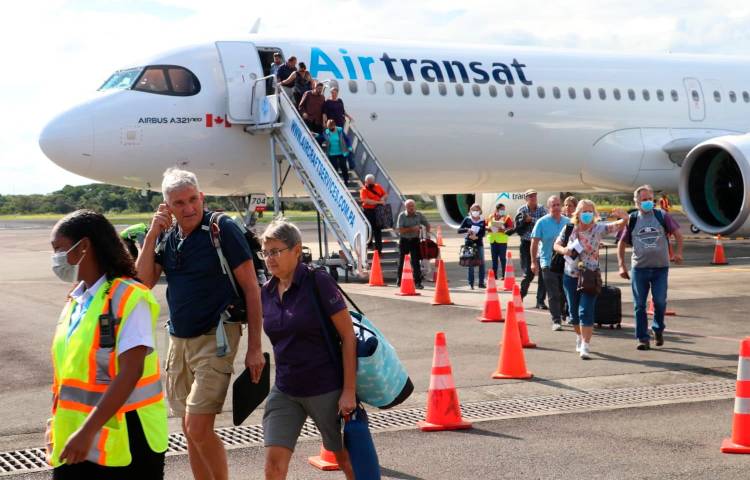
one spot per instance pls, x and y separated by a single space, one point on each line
608 310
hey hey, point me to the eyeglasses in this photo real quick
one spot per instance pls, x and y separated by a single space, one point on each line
272 253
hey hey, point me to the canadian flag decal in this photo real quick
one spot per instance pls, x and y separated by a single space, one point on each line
217 120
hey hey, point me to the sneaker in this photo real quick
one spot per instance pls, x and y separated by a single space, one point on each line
481 285
585 353
568 321
419 286
644 345
556 327
541 306
578 344
471 286
659 338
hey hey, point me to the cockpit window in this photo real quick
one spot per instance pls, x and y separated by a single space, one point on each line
121 79
168 80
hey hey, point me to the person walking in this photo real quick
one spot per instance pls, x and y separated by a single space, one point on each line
545 232
315 377
569 206
526 217
311 108
409 225
475 229
371 195
301 82
337 147
648 233
205 312
109 419
499 224
581 248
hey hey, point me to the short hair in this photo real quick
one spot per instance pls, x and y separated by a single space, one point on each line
475 205
302 65
500 205
292 59
334 87
176 179
552 197
276 54
579 208
409 201
283 230
637 192
369 177
571 199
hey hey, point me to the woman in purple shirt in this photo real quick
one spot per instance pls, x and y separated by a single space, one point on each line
310 380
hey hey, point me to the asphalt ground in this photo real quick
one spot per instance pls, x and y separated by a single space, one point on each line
701 345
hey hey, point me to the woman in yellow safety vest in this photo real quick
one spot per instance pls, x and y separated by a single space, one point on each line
109 419
498 228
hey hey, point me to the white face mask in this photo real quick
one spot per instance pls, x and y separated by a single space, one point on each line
65 271
475 213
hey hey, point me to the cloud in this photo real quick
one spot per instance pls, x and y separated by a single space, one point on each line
58 53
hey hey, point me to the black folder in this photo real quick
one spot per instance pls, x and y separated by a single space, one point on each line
246 395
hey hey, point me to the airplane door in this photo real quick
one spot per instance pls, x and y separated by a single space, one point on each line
696 103
241 65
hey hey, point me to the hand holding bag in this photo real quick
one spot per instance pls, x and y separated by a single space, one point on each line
468 256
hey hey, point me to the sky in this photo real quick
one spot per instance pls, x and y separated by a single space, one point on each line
57 52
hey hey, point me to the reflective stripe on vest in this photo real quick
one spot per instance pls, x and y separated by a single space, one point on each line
97 453
82 397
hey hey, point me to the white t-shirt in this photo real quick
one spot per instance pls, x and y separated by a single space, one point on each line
135 332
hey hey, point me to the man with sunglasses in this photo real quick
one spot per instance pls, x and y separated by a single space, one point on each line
203 338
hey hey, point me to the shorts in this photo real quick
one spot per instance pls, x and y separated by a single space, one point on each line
285 415
198 380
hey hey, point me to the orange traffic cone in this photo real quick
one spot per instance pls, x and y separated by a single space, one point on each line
740 441
510 274
376 274
650 310
326 461
443 408
440 236
408 288
523 329
511 363
719 258
442 294
493 312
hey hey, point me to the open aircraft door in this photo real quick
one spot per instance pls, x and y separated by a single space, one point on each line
241 65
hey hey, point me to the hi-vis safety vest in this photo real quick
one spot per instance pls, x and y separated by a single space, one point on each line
84 370
496 237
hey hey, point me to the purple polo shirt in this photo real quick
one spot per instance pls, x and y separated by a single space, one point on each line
304 366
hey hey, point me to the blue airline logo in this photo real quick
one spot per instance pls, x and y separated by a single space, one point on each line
409 69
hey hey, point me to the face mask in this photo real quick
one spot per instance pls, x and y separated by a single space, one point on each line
475 214
501 212
587 217
647 205
65 271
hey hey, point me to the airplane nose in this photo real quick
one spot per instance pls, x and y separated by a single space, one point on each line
68 140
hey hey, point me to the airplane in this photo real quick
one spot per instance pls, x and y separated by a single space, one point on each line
446 120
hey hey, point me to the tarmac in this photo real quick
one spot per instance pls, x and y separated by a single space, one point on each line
668 438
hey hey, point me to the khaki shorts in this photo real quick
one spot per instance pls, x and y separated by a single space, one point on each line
197 380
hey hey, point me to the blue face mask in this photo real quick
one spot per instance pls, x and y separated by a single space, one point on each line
587 217
647 205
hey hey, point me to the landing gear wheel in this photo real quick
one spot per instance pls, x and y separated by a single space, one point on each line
695 230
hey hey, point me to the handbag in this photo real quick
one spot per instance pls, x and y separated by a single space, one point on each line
428 249
383 216
359 444
468 256
382 380
557 265
590 281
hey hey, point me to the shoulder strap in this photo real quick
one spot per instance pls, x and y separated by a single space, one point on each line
215 234
631 221
568 232
660 217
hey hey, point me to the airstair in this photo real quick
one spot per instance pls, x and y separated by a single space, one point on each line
336 200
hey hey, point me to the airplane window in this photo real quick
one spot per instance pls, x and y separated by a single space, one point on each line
525 91
675 96
476 90
121 79
407 88
425 88
389 88
695 95
587 93
732 96
616 93
556 92
509 91
717 96
660 95
441 89
371 87
646 95
602 94
745 97
459 90
168 80
540 92
352 86
493 91
631 94
572 93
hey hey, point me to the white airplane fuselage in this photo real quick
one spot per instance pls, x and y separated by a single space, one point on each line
492 124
